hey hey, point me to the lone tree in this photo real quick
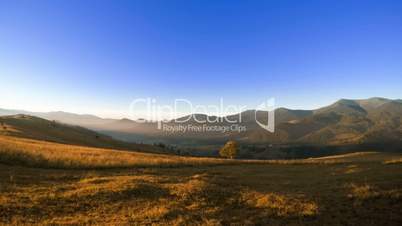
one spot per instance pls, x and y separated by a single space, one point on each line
229 150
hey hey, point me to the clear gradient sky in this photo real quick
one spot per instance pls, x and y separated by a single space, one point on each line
97 56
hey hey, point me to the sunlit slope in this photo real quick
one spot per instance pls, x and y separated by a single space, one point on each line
31 127
44 154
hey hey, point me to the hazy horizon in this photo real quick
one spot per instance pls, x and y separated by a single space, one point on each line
134 117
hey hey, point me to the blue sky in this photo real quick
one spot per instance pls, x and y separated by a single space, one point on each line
97 56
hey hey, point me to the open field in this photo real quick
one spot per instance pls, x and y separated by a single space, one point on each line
65 184
43 154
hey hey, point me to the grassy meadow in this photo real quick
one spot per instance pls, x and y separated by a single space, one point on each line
49 183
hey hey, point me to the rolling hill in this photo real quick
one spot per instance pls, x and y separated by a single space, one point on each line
345 122
31 127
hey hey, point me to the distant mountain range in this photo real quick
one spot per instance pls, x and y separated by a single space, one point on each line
345 122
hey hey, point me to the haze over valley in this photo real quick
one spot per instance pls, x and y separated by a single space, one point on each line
368 123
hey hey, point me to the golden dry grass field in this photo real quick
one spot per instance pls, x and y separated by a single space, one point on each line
46 183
